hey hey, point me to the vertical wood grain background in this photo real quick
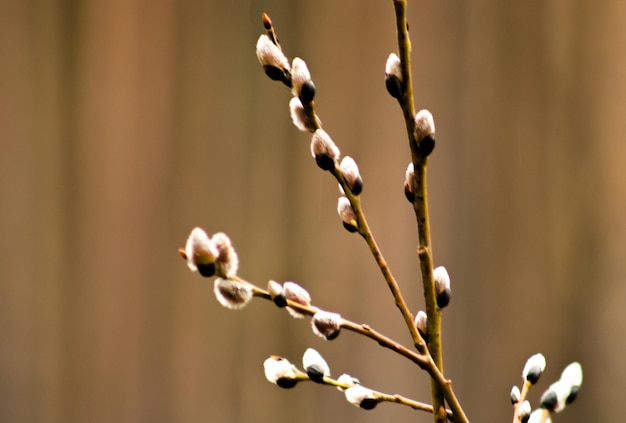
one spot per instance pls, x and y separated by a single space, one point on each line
125 123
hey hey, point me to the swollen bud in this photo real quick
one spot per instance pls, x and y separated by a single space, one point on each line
425 132
393 76
351 174
280 371
409 190
533 368
324 150
272 59
362 397
297 294
326 324
346 212
442 286
232 294
315 365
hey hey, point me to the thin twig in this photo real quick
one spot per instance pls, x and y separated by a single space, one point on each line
420 205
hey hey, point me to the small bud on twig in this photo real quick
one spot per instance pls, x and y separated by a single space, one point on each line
425 132
515 395
533 368
359 396
351 174
324 150
393 76
299 117
315 365
442 286
301 83
346 212
232 294
297 294
409 191
277 293
421 323
201 253
523 412
272 59
326 324
280 371
573 375
227 262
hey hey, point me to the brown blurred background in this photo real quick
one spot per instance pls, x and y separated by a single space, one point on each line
125 123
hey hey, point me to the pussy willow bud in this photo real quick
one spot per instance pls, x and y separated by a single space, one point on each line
421 323
523 411
272 59
346 212
201 253
351 174
540 415
515 395
276 293
232 294
442 286
297 294
324 150
227 262
315 365
301 83
359 396
573 375
280 371
555 397
326 324
425 132
409 190
533 368
393 76
299 117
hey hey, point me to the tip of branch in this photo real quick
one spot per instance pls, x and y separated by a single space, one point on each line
267 22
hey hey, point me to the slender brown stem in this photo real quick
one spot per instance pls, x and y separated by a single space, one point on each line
440 387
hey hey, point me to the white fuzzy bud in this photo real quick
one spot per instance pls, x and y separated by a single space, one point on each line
515 395
315 365
573 374
533 368
272 59
421 323
324 150
409 190
326 324
201 253
346 212
540 415
232 294
297 294
523 411
442 286
227 262
362 397
299 117
280 372
393 66
425 132
351 174
393 76
301 83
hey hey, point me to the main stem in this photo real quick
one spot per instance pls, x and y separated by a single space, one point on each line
420 205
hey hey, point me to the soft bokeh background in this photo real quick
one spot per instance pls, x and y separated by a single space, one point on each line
125 123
